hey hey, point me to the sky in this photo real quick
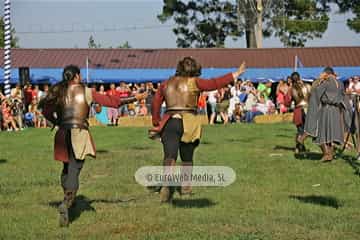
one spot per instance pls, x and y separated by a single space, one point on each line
69 24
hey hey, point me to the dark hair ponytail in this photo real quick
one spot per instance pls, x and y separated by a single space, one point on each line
57 93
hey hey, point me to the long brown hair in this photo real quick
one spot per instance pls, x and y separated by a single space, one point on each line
188 67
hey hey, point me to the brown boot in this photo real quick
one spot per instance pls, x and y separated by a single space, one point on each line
301 138
327 153
167 191
69 197
186 171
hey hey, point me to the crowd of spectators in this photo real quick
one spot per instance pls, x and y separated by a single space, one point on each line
240 102
20 110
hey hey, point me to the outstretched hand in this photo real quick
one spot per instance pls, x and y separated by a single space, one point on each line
240 70
140 96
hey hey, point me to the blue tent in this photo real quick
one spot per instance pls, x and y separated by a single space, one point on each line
53 75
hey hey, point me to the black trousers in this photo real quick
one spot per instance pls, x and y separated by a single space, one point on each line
172 144
300 128
71 170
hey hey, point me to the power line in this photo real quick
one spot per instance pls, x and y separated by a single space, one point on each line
146 27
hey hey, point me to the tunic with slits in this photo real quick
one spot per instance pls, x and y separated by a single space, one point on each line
326 119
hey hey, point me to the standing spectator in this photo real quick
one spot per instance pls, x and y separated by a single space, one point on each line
223 103
36 93
17 97
143 109
123 91
151 92
202 104
212 103
283 97
28 94
112 112
232 105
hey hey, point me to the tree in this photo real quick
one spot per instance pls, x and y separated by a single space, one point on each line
125 45
207 23
354 7
14 39
299 21
201 23
92 43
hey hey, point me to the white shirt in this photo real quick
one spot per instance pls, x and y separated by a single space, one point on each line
212 96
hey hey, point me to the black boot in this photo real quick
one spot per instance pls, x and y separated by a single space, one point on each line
166 192
186 171
69 197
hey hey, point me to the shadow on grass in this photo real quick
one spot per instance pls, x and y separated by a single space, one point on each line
318 200
3 161
100 151
83 204
140 147
193 203
350 160
308 156
283 136
278 147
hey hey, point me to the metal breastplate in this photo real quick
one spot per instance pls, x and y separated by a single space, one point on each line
76 109
300 94
181 94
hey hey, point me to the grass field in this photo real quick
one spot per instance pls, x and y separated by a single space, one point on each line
275 195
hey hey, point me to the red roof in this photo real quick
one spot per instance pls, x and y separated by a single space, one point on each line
168 58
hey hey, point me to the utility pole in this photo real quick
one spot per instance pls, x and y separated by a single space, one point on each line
7 48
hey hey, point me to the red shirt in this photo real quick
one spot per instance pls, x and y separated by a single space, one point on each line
123 93
28 95
111 92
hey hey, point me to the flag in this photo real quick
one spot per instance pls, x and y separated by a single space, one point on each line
298 63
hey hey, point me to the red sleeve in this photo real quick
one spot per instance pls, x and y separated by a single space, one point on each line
106 100
156 104
214 83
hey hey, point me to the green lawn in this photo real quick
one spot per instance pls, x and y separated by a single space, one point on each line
275 195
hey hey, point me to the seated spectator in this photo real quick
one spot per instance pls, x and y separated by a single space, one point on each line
251 100
33 110
265 89
260 108
238 113
8 120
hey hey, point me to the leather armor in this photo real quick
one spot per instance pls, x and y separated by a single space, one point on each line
76 109
301 93
181 94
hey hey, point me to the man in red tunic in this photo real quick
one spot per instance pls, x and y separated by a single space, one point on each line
67 106
180 128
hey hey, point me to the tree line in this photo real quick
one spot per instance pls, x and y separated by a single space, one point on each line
207 23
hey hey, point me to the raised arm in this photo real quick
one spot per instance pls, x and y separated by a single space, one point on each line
114 101
220 82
